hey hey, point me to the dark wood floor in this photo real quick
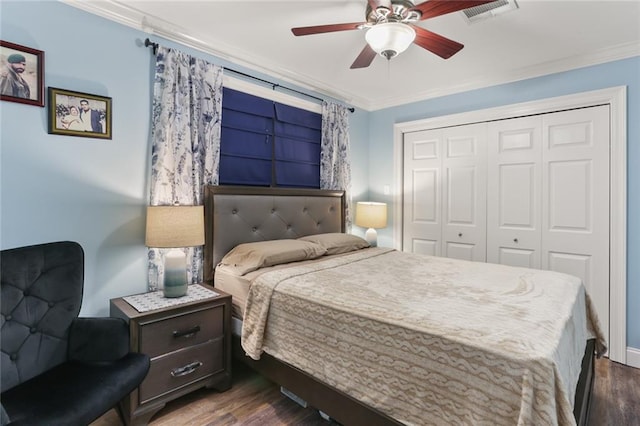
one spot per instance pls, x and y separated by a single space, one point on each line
254 400
616 395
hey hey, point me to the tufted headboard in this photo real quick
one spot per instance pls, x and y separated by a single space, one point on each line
240 214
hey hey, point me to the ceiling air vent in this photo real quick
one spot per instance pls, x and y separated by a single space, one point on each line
489 10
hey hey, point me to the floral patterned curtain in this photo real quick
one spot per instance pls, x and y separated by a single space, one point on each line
185 132
335 166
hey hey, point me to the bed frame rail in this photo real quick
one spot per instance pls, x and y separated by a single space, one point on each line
338 405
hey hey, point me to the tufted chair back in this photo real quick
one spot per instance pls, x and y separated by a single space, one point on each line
41 295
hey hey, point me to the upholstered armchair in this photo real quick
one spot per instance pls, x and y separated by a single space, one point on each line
58 369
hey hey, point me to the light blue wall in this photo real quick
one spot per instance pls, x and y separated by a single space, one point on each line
90 190
618 73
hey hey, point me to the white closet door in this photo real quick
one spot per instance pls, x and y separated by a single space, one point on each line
575 200
464 192
513 193
422 210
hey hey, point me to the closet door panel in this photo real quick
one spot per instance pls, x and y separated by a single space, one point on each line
422 210
570 192
464 192
460 250
525 258
575 181
424 246
513 192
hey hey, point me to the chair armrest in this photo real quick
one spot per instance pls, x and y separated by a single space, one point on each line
98 339
4 417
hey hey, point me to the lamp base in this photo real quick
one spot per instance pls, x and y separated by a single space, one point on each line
175 274
372 237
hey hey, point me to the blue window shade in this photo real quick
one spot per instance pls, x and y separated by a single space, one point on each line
240 101
297 146
298 116
297 175
246 144
267 143
243 171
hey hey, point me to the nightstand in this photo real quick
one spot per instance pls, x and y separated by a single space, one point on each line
189 345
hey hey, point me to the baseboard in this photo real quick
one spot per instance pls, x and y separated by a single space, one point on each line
633 357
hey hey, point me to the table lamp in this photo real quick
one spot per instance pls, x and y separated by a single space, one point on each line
174 227
371 215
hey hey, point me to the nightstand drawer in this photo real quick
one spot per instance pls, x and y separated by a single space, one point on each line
174 333
170 372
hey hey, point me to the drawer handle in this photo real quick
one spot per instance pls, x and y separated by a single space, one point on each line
515 240
187 333
187 369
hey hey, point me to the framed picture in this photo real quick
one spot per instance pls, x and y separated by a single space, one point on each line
79 114
22 75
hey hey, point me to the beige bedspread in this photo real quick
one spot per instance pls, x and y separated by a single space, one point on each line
429 340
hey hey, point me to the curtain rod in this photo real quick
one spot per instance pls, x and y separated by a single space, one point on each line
154 46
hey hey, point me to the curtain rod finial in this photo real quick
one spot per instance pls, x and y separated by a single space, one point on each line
148 43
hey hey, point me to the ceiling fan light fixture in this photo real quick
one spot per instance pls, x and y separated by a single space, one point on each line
390 38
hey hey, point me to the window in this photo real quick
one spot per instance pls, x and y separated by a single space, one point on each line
268 143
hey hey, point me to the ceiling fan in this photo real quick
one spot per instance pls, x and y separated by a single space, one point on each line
390 28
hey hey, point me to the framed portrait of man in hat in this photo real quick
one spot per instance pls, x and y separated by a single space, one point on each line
21 74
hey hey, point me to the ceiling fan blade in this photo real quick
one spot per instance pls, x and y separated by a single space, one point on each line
319 29
433 8
435 43
365 58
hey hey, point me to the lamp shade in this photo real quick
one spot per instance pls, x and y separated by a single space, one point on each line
174 226
390 38
371 215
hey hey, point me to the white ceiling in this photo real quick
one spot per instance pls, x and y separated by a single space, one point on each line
541 37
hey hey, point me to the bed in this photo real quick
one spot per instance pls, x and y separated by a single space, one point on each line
426 371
